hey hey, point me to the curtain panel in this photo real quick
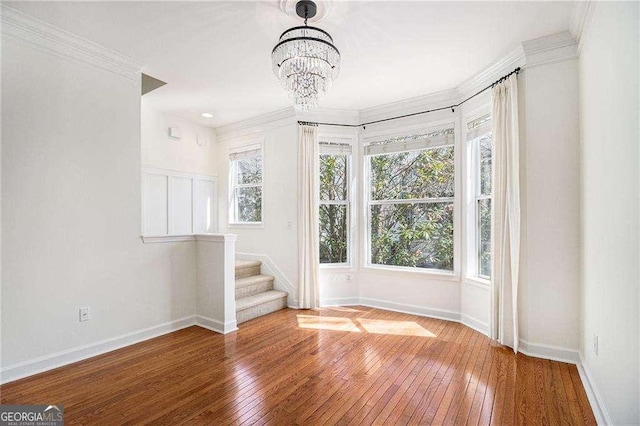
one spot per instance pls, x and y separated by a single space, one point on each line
308 220
505 213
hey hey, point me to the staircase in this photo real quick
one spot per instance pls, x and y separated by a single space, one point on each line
255 295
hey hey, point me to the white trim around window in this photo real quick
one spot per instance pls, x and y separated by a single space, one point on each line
235 154
478 127
343 145
408 140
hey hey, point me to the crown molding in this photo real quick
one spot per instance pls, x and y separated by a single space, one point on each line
343 116
66 45
581 16
408 106
259 124
512 60
549 49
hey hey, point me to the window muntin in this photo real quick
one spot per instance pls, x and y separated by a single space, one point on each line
334 204
246 186
410 201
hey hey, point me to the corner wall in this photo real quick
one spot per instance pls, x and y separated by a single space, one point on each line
71 174
610 194
549 181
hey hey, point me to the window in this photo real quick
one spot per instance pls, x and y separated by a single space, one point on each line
411 200
246 186
479 135
334 208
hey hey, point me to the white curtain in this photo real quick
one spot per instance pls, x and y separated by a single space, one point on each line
505 213
308 222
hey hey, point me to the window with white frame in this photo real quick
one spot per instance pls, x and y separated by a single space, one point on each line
410 200
334 206
480 145
246 190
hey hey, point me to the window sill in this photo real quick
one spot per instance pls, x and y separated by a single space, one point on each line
248 225
337 267
478 282
414 272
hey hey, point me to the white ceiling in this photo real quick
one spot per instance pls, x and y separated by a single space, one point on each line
215 56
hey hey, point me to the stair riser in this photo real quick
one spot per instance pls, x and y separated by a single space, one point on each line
247 272
260 310
252 290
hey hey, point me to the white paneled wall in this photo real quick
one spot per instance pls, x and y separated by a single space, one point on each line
177 203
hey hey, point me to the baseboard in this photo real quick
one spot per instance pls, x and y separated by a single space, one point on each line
59 359
553 353
215 325
339 301
477 325
281 282
597 405
411 309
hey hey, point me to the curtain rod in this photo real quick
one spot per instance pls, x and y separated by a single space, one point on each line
451 107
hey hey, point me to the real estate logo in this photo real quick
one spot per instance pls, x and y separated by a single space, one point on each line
31 415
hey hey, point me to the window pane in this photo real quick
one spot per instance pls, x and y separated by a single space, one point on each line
249 203
249 170
485 147
484 236
415 235
333 177
415 174
333 233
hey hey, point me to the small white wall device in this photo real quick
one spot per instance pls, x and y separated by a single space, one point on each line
175 133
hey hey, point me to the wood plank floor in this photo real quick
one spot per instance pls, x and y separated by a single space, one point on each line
351 365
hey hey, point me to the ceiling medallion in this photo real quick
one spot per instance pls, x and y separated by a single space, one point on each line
305 60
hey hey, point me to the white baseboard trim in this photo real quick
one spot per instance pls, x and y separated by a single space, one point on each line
553 353
411 309
215 325
597 405
281 282
49 362
339 301
477 325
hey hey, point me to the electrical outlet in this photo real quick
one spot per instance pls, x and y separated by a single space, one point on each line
84 314
349 277
595 344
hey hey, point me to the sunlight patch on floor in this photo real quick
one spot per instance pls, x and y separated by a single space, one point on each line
327 323
400 328
358 325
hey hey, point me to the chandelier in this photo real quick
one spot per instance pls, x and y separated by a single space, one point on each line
305 60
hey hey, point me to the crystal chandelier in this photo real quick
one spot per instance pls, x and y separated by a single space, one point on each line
305 60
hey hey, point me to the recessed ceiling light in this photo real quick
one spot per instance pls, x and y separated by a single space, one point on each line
207 115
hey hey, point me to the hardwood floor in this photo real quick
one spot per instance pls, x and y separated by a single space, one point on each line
351 365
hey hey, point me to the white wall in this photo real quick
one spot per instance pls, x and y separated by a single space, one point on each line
610 212
71 174
195 153
549 292
277 236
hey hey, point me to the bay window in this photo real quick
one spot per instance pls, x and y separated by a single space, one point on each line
410 200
